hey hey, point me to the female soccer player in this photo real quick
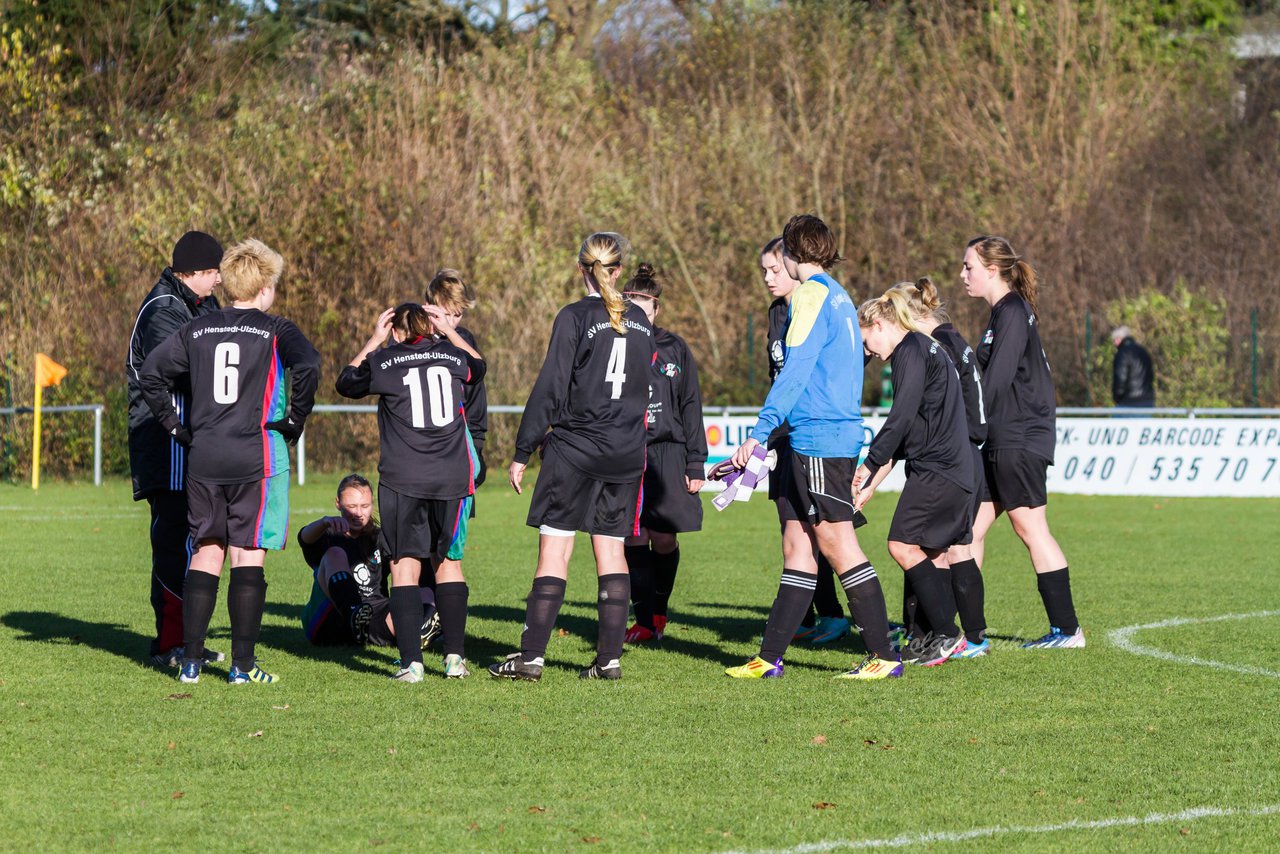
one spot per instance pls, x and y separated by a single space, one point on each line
1021 412
425 471
926 428
824 622
591 394
819 392
931 316
674 469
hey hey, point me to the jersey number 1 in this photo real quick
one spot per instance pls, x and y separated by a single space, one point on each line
440 390
616 374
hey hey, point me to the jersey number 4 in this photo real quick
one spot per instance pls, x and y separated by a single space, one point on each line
439 389
616 374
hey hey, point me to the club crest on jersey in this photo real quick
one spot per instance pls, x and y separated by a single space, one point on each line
670 369
989 337
775 352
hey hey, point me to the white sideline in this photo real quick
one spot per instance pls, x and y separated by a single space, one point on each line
1123 638
1193 814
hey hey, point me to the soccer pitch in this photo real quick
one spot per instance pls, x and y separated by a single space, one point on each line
1155 738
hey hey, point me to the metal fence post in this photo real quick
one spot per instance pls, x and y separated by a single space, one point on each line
97 446
302 459
1253 353
1088 357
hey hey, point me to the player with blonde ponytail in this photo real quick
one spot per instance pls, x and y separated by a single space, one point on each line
587 415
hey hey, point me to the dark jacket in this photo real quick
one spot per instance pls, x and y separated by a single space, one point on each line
1132 378
156 459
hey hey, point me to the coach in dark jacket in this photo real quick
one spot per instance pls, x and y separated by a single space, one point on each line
156 459
1132 378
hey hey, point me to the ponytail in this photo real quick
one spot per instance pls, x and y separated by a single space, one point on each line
600 253
1014 269
922 294
411 321
895 306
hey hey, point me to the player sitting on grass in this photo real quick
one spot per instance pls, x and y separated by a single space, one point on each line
240 420
349 603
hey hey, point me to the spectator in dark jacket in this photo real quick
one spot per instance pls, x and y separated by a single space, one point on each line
1132 377
157 459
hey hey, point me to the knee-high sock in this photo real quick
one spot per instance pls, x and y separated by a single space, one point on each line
913 617
613 592
544 603
170 556
665 567
825 601
795 592
933 589
199 597
343 592
966 582
640 561
452 599
246 598
866 606
1055 591
406 621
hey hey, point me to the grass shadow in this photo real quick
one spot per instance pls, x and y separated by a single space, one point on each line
46 627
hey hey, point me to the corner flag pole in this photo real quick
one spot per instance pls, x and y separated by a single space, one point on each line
48 372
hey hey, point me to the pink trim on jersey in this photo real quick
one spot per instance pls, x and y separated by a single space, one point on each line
268 395
635 527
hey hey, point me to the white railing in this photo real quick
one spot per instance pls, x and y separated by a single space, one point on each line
95 408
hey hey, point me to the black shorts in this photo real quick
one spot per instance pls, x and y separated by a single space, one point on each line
666 505
422 528
933 512
979 494
1015 478
780 444
568 500
814 489
253 515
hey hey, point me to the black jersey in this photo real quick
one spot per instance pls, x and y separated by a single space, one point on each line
926 426
363 556
966 362
421 425
675 402
235 360
475 400
779 316
592 393
1018 385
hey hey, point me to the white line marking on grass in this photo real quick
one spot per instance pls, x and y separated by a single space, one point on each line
913 839
1123 638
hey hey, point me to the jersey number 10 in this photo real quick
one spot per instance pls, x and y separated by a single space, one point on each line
439 389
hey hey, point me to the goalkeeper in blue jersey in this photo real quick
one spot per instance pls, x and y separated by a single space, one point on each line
819 392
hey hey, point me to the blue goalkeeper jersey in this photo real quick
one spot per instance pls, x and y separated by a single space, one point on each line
819 390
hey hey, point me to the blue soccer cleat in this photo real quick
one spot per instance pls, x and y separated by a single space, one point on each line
1058 639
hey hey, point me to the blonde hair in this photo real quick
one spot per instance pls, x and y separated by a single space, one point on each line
248 267
894 306
449 291
600 252
1013 268
925 300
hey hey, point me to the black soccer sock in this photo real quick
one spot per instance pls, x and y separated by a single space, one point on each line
665 568
866 606
246 599
825 600
544 603
1055 590
406 622
343 592
914 620
452 599
613 593
795 593
199 597
428 597
810 618
640 560
966 583
933 588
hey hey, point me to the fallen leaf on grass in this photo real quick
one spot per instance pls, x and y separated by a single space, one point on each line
1184 831
172 745
391 751
537 809
824 805
178 697
257 734
562 633
281 708
591 840
473 826
177 796
819 739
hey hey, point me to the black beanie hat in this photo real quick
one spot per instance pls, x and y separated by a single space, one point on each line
194 251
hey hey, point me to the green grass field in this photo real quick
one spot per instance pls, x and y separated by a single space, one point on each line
100 751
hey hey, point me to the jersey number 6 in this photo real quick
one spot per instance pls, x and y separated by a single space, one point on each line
226 376
440 390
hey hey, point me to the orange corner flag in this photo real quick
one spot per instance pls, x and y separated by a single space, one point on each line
48 372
